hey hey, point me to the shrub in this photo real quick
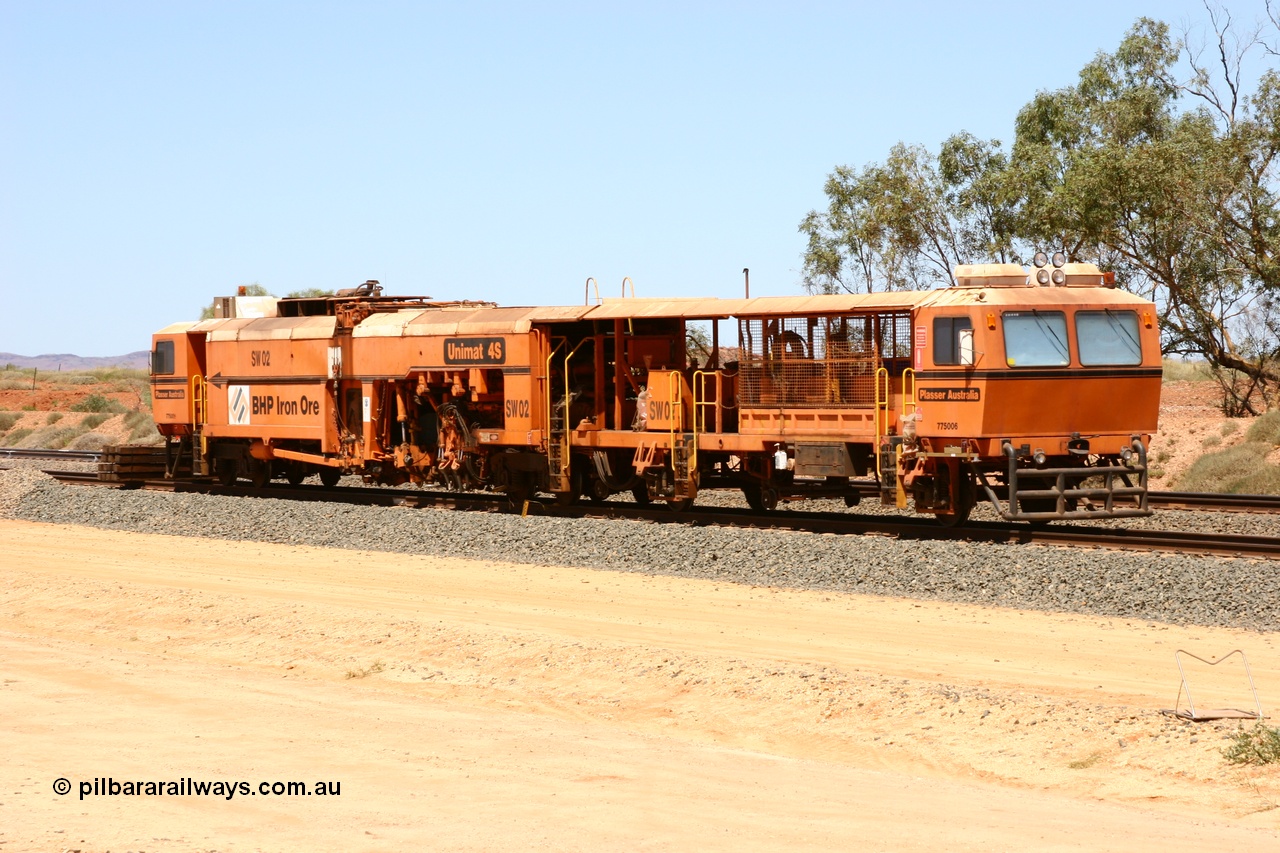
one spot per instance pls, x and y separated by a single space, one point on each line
98 403
90 441
8 419
1230 428
1177 370
1265 428
56 438
1258 745
141 427
94 421
53 418
1264 481
1216 472
12 439
1211 441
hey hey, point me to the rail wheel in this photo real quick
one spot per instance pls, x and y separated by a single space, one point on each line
226 470
761 498
679 504
962 501
640 494
295 474
259 473
598 492
329 477
955 519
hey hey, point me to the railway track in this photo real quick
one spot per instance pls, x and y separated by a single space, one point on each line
1194 501
1075 536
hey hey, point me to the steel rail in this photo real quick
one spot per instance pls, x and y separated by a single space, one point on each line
46 453
1212 544
1210 502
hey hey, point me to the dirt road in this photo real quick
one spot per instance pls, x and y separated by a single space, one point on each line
481 706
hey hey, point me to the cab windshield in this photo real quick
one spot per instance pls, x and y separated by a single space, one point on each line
1108 337
1036 339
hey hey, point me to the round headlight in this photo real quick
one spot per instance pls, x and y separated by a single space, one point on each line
1040 259
1059 277
1039 456
1042 276
1059 259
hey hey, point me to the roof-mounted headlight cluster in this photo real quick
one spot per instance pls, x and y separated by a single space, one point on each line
1045 276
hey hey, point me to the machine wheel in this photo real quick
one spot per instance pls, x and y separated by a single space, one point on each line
576 489
966 497
329 477
954 519
852 500
761 498
598 492
226 470
259 473
295 474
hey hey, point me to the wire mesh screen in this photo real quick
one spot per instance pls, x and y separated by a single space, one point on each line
819 362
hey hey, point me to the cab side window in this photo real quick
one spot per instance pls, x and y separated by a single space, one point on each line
946 338
162 359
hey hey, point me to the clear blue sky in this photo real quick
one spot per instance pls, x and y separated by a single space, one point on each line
153 155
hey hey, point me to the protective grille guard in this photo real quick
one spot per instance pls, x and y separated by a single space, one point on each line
1059 491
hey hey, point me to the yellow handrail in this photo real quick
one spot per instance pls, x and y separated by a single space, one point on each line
908 391
199 388
881 412
547 380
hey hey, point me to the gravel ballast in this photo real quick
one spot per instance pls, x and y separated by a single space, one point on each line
1159 587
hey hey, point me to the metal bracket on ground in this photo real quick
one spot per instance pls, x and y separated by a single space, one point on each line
1202 714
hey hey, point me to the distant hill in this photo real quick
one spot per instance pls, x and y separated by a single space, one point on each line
65 361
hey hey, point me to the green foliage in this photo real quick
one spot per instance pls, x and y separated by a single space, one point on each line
1265 428
1264 481
1226 470
53 418
95 421
904 224
12 439
697 344
1152 165
98 403
1258 745
57 439
8 419
309 293
141 427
